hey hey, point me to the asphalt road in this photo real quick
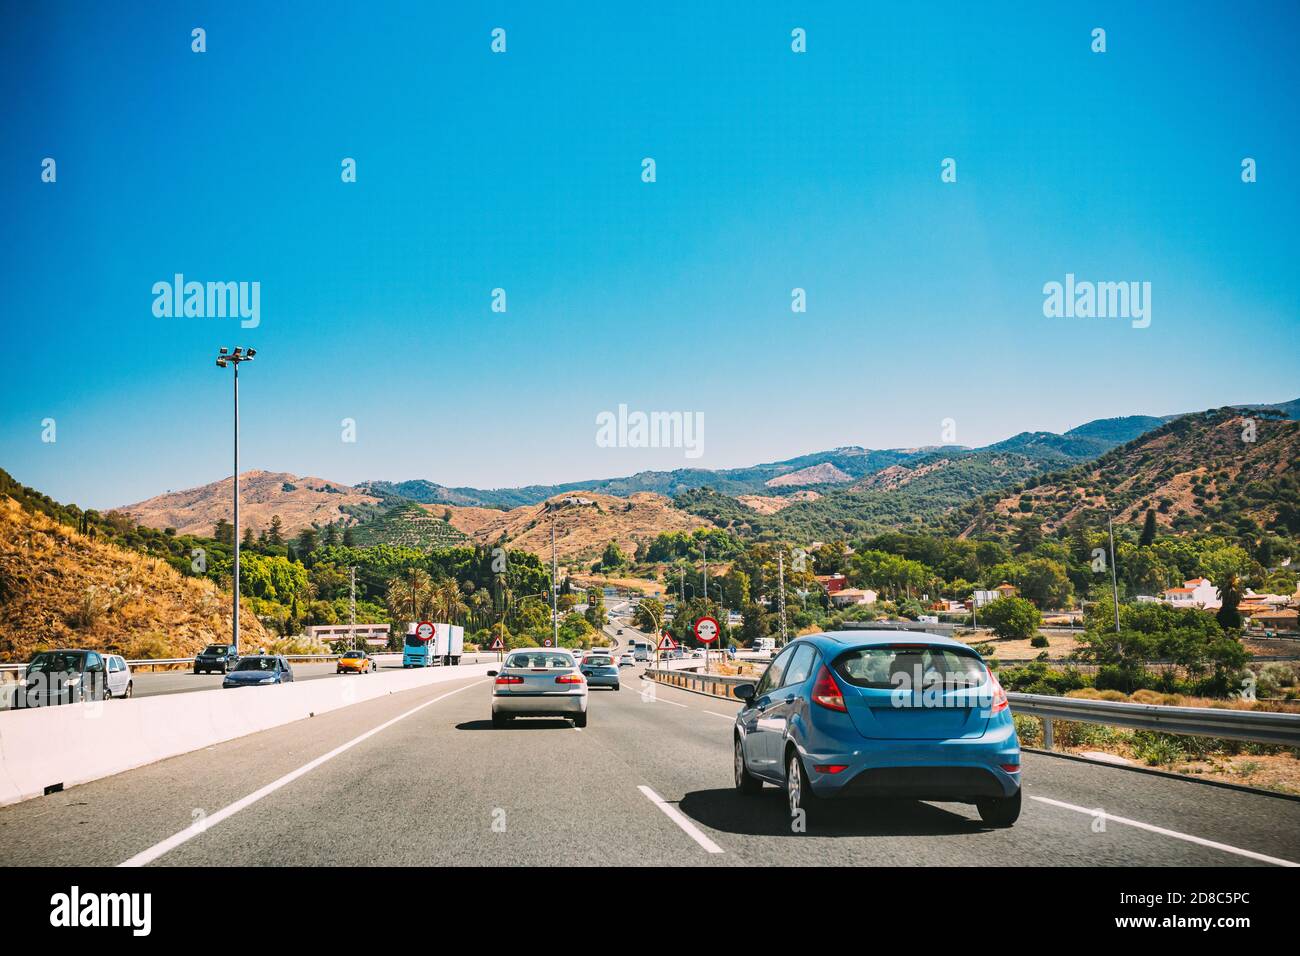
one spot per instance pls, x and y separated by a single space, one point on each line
421 777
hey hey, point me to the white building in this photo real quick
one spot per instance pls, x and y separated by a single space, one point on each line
849 596
1198 593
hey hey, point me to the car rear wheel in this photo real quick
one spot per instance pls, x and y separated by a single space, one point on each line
500 720
580 720
745 781
130 687
1000 811
798 791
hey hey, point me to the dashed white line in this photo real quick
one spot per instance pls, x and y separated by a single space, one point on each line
723 716
689 828
145 857
1200 841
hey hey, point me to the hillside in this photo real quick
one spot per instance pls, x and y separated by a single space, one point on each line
62 588
299 503
581 533
1195 471
408 525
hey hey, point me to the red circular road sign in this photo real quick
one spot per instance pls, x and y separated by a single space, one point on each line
424 631
706 630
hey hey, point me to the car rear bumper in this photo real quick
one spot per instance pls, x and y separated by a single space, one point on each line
962 769
540 705
602 680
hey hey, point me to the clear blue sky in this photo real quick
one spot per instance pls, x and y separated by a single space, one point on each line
522 170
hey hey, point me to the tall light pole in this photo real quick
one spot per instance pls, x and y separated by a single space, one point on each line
555 583
225 358
1114 579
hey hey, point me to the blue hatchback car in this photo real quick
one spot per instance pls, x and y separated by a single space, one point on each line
880 714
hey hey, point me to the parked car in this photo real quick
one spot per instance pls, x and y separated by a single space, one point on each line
539 682
216 657
600 671
626 660
879 713
356 662
259 669
68 676
620 632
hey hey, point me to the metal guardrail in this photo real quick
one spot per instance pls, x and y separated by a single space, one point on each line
1255 726
174 661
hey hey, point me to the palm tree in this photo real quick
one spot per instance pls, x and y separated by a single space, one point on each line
448 601
410 596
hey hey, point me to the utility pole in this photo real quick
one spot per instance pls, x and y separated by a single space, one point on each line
555 588
352 604
234 358
1114 579
780 573
704 551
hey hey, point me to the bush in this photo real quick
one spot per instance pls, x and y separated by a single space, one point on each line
1012 617
1038 641
1029 730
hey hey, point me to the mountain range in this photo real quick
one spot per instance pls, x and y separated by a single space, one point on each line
835 493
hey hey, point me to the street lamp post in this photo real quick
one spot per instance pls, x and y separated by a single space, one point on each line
555 584
225 358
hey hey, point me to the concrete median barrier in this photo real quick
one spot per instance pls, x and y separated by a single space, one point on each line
50 748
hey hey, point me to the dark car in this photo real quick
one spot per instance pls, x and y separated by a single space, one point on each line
258 670
216 657
63 677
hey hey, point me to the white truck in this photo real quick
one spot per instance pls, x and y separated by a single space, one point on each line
444 648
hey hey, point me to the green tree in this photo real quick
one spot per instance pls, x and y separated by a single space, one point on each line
1011 617
1148 529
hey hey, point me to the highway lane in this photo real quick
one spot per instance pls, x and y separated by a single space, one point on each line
158 683
440 786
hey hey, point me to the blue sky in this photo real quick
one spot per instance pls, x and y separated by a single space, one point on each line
522 171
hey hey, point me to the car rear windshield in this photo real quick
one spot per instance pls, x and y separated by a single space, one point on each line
53 662
538 659
909 667
599 661
216 649
256 664
354 654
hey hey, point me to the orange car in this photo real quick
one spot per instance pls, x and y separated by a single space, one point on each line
356 662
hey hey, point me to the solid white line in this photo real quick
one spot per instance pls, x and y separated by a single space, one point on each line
689 828
1200 841
195 829
723 716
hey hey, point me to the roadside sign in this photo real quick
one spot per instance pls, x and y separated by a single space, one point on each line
666 643
424 631
497 645
706 629
546 642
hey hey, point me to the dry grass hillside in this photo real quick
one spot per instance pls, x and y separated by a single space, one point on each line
1195 473
300 502
581 533
59 588
769 505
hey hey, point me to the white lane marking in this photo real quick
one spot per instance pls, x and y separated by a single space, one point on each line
723 716
189 833
689 828
1200 841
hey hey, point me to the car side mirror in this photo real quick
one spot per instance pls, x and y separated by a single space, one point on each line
744 692
491 673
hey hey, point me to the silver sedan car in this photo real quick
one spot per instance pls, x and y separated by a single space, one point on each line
539 682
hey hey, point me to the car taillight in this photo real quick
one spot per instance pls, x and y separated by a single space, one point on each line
829 767
827 693
569 679
999 696
1010 767
509 679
